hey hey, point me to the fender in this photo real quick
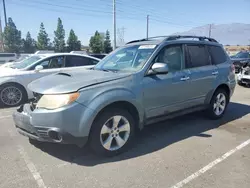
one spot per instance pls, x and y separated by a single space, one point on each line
101 100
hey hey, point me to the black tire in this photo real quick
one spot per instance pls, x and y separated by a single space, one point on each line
240 83
210 111
95 141
24 97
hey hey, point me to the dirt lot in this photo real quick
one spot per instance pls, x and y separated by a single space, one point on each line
191 152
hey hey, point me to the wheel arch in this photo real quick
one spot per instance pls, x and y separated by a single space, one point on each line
221 86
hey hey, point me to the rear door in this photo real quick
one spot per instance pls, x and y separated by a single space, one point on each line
203 72
221 60
73 62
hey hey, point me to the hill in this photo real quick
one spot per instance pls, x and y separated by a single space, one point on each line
227 34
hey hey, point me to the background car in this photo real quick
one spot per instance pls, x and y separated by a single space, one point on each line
15 78
240 59
7 57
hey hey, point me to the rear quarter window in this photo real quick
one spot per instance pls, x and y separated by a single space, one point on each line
217 54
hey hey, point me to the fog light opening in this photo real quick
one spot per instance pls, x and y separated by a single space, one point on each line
55 136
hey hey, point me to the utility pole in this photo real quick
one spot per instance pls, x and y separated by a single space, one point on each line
4 9
210 30
147 25
114 22
1 36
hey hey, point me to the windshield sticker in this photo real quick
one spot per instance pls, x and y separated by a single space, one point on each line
147 47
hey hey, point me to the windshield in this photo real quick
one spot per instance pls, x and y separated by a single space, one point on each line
26 62
131 58
242 55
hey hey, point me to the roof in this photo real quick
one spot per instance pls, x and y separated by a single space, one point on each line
68 54
160 39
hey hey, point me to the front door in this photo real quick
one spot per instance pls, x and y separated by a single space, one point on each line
166 93
50 65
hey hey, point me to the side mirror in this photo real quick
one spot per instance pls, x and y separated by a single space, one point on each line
159 68
38 68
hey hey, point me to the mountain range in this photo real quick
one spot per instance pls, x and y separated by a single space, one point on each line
227 34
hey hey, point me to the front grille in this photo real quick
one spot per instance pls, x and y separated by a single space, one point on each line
245 80
37 97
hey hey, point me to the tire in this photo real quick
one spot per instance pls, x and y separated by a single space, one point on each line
100 135
212 113
20 94
240 83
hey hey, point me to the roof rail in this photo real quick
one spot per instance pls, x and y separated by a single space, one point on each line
201 38
175 37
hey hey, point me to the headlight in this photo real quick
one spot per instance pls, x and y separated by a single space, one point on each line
56 101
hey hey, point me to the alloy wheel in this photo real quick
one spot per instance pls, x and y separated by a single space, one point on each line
115 133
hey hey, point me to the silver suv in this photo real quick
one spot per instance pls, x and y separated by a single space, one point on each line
143 82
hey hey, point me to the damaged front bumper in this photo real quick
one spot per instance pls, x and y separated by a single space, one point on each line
23 122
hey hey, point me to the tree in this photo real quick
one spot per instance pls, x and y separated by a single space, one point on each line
42 39
59 40
107 48
29 44
12 37
73 42
96 43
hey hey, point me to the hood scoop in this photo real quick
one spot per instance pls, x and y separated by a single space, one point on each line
64 74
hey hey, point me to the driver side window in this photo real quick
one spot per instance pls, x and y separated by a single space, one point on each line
54 62
172 56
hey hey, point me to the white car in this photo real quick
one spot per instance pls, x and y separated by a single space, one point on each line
15 78
7 57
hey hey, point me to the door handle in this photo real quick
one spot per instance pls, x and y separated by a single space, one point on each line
215 73
185 78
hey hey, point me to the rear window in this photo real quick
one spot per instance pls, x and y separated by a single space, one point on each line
198 56
217 54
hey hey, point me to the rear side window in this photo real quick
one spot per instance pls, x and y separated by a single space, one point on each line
76 61
217 54
197 55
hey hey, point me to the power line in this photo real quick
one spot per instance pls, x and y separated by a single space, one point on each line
67 7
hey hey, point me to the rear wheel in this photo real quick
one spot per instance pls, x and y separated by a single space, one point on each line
218 104
112 132
12 95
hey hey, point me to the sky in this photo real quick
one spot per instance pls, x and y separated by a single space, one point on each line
86 16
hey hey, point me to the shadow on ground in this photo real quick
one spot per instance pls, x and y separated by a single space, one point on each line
152 138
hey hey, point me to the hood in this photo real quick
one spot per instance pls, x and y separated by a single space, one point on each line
239 59
71 81
6 71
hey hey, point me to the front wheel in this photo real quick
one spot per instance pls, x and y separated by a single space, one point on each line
218 104
112 132
12 95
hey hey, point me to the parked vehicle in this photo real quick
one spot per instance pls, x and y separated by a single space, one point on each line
18 60
7 57
243 77
144 82
241 59
15 78
100 56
